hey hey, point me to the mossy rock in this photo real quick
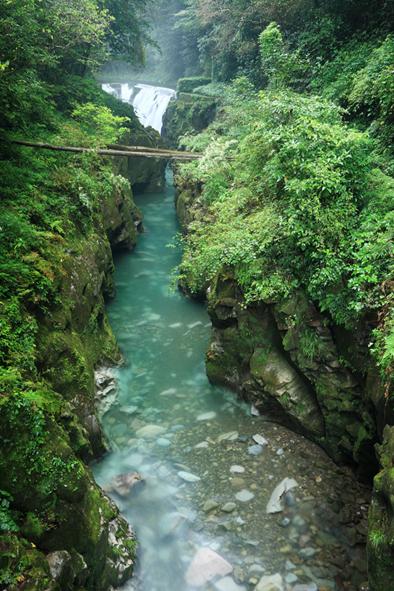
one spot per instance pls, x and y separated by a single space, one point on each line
381 520
189 84
187 114
23 566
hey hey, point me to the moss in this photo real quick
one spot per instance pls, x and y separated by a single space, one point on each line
381 521
21 564
188 114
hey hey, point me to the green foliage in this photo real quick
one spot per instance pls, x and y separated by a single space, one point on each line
7 516
297 206
100 125
281 66
190 84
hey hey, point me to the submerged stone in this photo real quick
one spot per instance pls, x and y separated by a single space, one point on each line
244 496
230 436
260 440
228 507
255 450
228 584
235 469
276 502
207 416
150 431
205 566
270 583
188 476
210 505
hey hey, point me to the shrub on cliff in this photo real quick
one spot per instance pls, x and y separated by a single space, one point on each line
300 205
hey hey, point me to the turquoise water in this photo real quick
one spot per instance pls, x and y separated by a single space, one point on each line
168 420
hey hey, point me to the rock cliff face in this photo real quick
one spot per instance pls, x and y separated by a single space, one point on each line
189 113
292 362
72 536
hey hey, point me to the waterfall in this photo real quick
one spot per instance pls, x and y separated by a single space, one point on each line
149 102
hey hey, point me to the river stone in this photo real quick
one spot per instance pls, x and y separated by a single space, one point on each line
244 496
206 416
306 587
255 450
308 552
150 431
229 507
205 566
228 584
270 583
210 505
188 476
124 483
260 440
168 392
291 578
254 411
202 445
129 410
230 436
163 442
276 504
237 469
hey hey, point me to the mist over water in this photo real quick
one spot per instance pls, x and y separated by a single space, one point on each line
149 102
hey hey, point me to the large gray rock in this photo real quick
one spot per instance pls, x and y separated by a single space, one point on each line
276 375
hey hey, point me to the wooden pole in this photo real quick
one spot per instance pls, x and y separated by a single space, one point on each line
136 151
149 149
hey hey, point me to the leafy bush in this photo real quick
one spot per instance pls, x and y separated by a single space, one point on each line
296 207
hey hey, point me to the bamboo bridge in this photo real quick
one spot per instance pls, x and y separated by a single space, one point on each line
117 150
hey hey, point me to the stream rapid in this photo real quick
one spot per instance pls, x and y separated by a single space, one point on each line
208 465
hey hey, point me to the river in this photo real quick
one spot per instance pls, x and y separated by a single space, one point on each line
209 465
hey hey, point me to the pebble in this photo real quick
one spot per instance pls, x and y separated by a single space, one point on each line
228 507
244 496
260 440
237 469
210 505
150 431
253 411
188 476
206 416
289 565
230 436
228 584
275 504
202 445
162 442
255 450
307 552
291 578
270 583
256 569
129 410
307 587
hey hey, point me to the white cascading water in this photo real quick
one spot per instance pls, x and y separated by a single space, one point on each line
149 102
